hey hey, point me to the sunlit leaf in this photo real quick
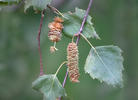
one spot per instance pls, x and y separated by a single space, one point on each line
37 4
73 22
50 86
105 65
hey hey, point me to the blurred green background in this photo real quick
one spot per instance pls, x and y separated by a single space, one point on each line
114 20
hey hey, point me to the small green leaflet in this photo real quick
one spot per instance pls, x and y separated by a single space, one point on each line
105 64
73 22
50 86
37 4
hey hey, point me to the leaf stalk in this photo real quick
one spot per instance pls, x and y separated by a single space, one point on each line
60 67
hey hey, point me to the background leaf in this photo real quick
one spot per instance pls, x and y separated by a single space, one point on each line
73 24
106 65
37 4
9 0
50 86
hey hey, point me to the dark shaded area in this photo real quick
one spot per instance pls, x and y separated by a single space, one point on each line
116 23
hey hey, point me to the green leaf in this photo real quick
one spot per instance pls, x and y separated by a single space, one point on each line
37 4
105 63
73 22
9 0
5 3
50 86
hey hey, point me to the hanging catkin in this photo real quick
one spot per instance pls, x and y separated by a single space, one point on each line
55 29
72 57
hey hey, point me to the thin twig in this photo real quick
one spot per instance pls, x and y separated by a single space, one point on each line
38 38
78 37
83 22
64 82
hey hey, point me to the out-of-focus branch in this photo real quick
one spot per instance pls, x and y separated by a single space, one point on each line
38 38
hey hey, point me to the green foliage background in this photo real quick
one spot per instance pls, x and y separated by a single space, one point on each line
115 22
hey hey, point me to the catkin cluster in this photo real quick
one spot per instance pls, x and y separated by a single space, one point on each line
55 29
72 57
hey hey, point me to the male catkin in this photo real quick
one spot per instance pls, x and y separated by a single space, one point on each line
55 29
72 57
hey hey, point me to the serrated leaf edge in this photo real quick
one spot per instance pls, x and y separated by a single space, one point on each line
103 62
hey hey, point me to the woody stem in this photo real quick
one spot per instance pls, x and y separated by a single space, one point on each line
83 22
78 37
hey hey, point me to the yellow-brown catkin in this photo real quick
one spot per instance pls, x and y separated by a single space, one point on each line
55 29
72 57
